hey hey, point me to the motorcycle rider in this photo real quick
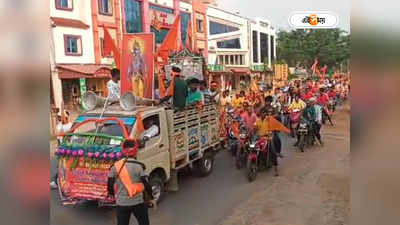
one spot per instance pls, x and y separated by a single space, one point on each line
262 127
318 122
248 117
297 104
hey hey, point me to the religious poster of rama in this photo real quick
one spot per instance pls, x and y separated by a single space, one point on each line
137 67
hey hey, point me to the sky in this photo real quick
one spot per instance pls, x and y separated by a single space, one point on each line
277 11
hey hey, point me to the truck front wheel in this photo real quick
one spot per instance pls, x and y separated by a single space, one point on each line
205 165
157 186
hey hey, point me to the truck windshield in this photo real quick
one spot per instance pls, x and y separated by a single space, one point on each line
109 128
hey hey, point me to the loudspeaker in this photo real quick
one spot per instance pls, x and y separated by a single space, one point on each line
91 101
128 101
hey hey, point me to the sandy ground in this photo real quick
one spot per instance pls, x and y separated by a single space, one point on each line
313 189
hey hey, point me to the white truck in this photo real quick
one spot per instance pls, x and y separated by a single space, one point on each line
188 138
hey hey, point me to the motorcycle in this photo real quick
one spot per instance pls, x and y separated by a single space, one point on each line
243 147
331 105
305 134
258 154
294 121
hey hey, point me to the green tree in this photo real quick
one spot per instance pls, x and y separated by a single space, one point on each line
300 47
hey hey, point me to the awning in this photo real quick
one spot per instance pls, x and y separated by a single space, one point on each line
64 22
240 70
76 71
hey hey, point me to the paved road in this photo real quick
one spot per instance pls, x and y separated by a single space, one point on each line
200 201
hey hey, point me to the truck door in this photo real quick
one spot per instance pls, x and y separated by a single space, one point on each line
155 154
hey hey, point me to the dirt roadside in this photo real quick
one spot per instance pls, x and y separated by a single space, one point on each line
313 189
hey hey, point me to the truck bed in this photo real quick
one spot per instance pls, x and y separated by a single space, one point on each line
191 133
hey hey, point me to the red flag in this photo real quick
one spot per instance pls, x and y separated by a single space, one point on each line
109 46
314 66
139 125
172 41
189 39
323 71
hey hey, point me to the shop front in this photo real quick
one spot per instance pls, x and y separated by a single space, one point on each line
76 79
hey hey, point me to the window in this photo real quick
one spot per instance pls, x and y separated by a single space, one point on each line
272 48
234 43
255 46
219 28
64 4
221 60
185 20
133 16
264 47
151 126
241 60
199 24
73 45
105 7
159 34
232 62
227 60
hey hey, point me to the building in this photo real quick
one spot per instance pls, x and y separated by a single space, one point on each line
142 16
239 48
263 46
77 31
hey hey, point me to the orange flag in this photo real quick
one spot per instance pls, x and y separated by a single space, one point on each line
275 125
172 41
139 125
189 37
109 46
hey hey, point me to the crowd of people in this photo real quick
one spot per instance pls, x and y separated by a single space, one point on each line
309 98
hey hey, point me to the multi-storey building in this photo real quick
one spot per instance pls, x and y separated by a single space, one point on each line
239 48
77 36
263 44
142 16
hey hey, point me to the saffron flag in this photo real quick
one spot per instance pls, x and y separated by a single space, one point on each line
172 41
189 39
139 125
275 125
109 46
323 71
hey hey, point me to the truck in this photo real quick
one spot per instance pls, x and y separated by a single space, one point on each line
185 139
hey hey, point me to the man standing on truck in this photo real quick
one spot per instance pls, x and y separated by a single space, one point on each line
132 184
114 87
194 96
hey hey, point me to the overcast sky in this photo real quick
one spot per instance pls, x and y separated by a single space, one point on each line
277 11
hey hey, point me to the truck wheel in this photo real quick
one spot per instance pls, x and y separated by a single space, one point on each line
205 165
158 187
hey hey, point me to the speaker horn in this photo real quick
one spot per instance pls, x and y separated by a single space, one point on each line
128 101
91 101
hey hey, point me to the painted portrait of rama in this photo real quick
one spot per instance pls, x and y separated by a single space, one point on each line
137 69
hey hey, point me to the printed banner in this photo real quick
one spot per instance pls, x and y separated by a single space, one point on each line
160 20
137 68
88 180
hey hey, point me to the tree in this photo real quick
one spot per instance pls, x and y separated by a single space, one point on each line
300 47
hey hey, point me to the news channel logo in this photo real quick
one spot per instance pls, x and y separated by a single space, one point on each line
313 20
